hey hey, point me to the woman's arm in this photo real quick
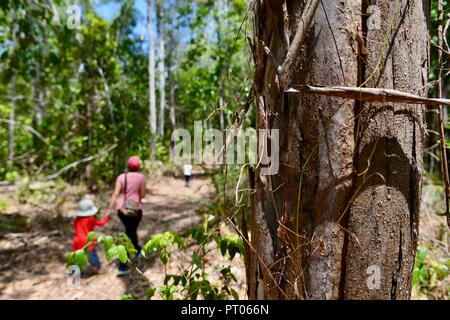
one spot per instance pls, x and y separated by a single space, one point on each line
112 201
143 189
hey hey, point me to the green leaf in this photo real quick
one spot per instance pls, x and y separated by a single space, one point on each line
194 289
232 250
223 247
111 253
128 244
421 255
91 235
234 294
127 297
108 241
196 259
150 293
78 258
122 253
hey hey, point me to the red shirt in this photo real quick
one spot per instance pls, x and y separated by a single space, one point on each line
84 225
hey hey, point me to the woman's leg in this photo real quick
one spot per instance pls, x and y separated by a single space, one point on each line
131 225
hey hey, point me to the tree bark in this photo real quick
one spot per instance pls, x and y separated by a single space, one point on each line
345 200
151 76
161 65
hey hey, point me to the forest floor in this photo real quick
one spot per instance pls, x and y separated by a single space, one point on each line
33 251
36 234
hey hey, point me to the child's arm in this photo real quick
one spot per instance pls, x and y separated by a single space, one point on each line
102 222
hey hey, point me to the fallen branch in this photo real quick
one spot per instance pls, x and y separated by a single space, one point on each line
76 163
369 95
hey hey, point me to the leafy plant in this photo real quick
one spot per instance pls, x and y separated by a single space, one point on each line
4 203
162 244
428 271
115 248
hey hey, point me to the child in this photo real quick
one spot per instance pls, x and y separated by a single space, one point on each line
187 170
84 223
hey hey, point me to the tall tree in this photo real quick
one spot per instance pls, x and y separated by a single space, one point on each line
151 76
12 114
339 220
221 66
171 80
161 64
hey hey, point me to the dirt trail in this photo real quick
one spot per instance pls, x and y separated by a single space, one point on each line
32 264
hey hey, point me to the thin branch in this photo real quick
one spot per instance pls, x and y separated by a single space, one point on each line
369 94
78 162
294 50
26 127
447 48
443 153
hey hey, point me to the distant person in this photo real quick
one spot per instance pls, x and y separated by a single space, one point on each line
187 171
84 223
127 197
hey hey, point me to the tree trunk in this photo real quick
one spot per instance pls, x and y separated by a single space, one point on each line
172 114
151 76
343 207
161 65
12 114
221 69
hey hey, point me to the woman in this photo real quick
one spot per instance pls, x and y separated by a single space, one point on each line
127 197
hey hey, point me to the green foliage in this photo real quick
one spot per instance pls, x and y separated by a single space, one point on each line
11 176
162 244
84 90
119 247
115 247
4 203
428 271
78 258
127 297
230 243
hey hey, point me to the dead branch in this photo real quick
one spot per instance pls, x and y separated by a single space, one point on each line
78 162
294 50
369 94
26 127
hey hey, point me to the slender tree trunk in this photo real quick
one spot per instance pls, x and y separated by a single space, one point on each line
12 119
12 114
222 71
172 114
161 65
383 220
151 76
343 208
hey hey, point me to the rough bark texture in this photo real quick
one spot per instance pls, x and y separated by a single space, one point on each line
325 147
384 214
